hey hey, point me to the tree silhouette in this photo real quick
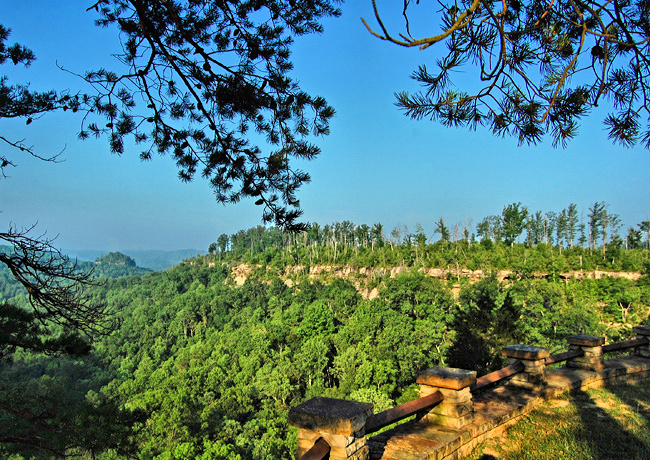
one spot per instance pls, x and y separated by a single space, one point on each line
199 76
539 66
206 82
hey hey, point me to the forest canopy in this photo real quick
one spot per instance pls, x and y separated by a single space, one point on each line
210 355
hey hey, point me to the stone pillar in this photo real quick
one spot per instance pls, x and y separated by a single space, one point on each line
642 332
341 423
456 409
533 377
592 348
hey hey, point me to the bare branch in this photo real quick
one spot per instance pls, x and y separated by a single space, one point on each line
461 21
55 286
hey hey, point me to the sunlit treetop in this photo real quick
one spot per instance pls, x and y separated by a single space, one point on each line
538 67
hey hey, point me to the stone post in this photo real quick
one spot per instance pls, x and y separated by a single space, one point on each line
533 377
341 423
456 409
592 348
642 332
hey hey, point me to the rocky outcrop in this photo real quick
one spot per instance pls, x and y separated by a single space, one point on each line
241 272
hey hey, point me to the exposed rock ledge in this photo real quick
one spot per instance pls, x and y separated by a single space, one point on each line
241 272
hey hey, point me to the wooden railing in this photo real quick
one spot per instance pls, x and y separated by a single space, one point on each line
375 422
624 345
378 421
561 357
318 452
496 376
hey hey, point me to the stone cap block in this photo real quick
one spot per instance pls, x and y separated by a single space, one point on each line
642 330
525 352
329 415
586 340
447 377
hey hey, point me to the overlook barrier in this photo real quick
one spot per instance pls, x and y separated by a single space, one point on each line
455 410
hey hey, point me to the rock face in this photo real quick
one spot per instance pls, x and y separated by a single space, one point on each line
357 275
240 273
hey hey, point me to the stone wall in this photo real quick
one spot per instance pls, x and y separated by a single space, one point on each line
468 413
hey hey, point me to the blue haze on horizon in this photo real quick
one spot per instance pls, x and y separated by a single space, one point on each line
375 166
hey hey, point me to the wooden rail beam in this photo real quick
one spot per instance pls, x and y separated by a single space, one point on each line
558 358
624 345
385 418
496 376
318 451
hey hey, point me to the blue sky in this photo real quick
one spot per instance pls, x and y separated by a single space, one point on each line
375 166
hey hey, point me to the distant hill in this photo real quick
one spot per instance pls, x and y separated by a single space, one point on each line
156 260
115 258
113 265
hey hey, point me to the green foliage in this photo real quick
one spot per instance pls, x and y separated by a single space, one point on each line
486 322
44 407
113 265
419 296
443 230
555 242
201 367
513 219
549 312
20 329
9 287
231 372
317 319
378 399
51 407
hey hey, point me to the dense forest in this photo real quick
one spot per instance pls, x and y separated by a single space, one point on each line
205 359
106 360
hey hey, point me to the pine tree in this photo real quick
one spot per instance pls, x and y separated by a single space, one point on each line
543 66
